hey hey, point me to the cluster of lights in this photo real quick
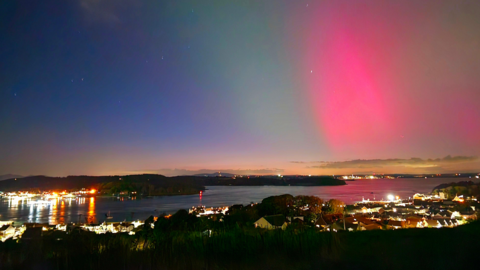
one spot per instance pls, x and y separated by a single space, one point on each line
393 198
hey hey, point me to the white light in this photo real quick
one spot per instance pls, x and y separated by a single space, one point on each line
391 197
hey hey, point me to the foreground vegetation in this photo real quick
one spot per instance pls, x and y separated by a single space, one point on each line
242 249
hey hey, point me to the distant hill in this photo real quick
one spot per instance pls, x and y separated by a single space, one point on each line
465 188
273 181
217 174
9 176
146 184
154 184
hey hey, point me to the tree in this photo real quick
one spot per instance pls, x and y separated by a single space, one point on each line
276 205
311 218
335 206
305 205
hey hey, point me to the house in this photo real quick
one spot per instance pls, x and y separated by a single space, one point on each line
414 222
291 219
125 227
447 202
321 223
43 226
468 215
446 222
297 223
431 223
367 221
396 224
458 198
349 226
272 222
6 232
332 218
368 227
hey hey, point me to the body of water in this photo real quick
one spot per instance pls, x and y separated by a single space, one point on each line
94 209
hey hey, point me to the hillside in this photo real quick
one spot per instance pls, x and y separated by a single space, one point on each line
273 181
466 188
146 184
153 184
9 176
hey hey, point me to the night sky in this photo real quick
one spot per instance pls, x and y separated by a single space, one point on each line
251 87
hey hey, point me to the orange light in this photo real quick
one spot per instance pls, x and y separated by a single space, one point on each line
92 191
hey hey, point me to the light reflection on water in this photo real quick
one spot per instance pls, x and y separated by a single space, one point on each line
91 211
94 209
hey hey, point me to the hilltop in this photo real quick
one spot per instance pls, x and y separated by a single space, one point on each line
9 176
146 184
450 190
274 181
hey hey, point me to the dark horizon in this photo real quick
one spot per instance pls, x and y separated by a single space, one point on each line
436 175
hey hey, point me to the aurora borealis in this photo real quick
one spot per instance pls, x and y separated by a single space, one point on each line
263 87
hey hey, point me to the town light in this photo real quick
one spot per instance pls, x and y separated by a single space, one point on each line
390 197
92 191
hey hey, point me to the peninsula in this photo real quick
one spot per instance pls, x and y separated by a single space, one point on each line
154 184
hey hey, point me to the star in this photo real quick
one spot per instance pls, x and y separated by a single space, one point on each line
15 94
311 71
82 79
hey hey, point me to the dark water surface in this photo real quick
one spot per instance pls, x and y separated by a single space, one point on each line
94 209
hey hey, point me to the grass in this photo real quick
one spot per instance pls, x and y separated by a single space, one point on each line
251 249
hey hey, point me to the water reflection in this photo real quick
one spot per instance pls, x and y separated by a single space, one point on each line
62 213
52 214
91 211
30 215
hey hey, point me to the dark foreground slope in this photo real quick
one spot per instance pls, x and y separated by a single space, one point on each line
239 249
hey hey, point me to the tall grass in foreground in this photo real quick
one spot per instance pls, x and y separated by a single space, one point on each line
248 249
